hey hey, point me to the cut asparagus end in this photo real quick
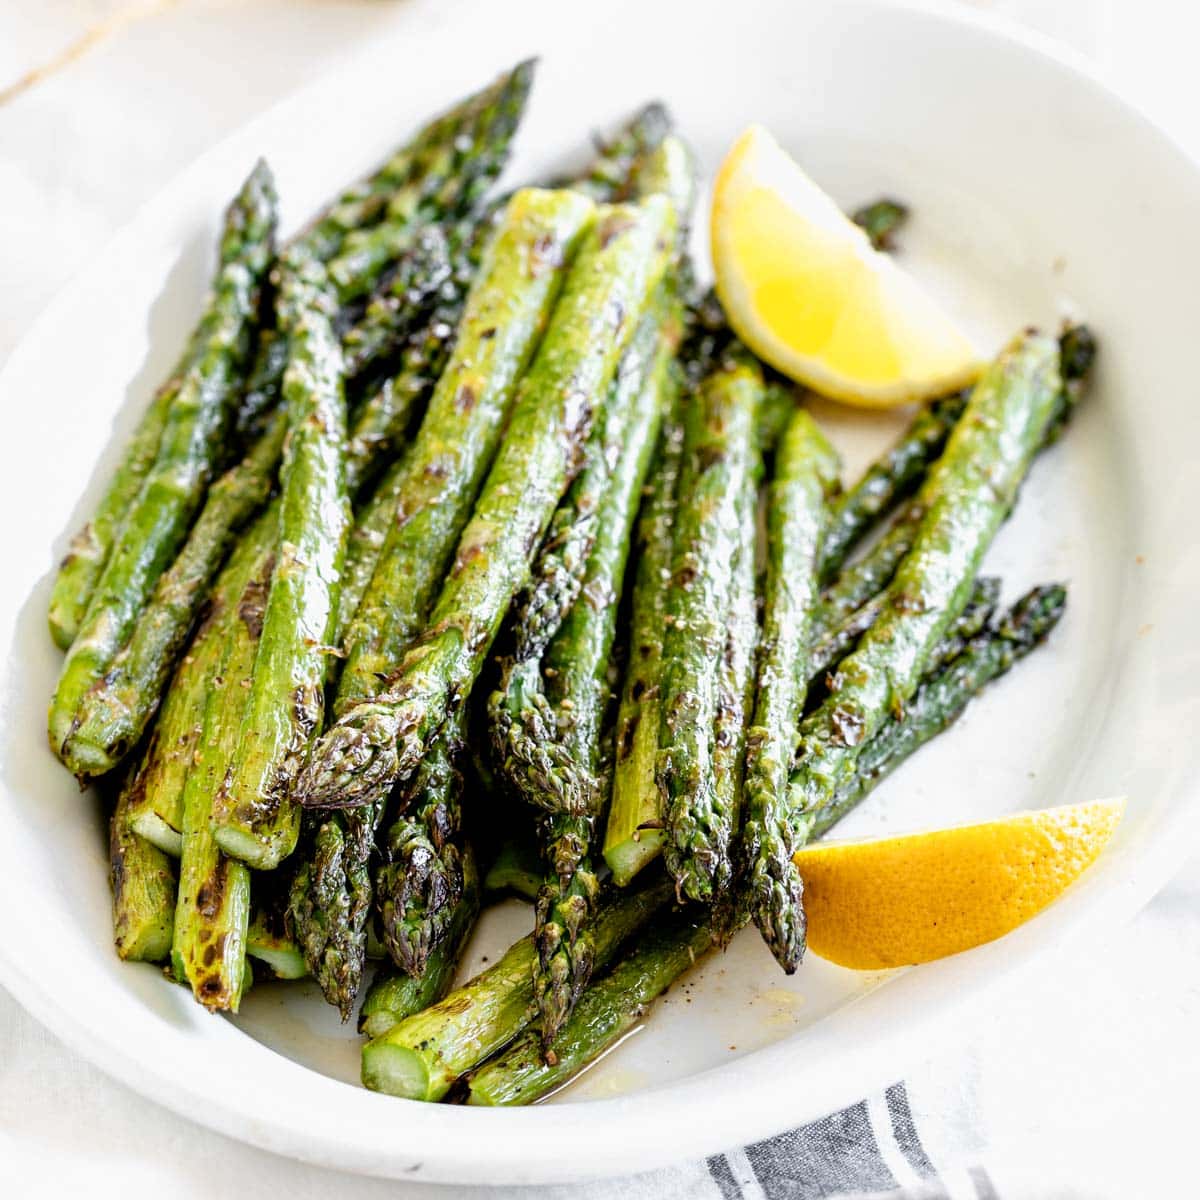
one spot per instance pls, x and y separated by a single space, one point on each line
85 759
158 832
375 1024
284 960
626 858
262 852
396 1071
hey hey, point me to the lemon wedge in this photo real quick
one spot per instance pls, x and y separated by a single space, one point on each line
892 901
806 291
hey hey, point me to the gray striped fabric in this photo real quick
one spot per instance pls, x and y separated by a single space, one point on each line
842 1156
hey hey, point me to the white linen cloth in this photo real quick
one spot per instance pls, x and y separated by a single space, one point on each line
1084 1089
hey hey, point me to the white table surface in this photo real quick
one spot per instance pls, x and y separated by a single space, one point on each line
1111 1037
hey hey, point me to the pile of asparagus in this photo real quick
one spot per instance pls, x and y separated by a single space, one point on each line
433 573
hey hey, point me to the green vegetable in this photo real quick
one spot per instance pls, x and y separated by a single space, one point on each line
424 1054
607 290
662 952
825 655
965 498
577 663
394 994
193 440
608 177
438 481
421 880
246 234
720 452
938 702
880 220
890 478
120 705
143 886
504 318
610 1008
633 836
213 909
806 476
254 818
457 175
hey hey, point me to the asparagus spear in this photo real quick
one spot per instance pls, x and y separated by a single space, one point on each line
938 702
614 276
719 453
607 1011
424 1054
119 706
900 470
608 178
431 265
248 225
394 994
833 646
191 445
440 477
664 951
458 175
422 879
892 477
505 315
156 811
208 950
965 498
155 808
633 836
89 549
806 475
880 220
143 886
400 182
735 694
254 819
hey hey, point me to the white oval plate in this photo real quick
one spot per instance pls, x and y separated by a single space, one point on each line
1035 192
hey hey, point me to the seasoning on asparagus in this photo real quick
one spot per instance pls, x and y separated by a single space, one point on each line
892 477
965 498
610 1008
617 271
633 836
191 446
824 655
424 1054
254 818
143 886
457 175
118 708
208 950
576 668
938 702
394 994
806 475
719 451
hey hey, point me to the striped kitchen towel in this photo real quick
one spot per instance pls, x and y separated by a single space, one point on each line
871 1149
